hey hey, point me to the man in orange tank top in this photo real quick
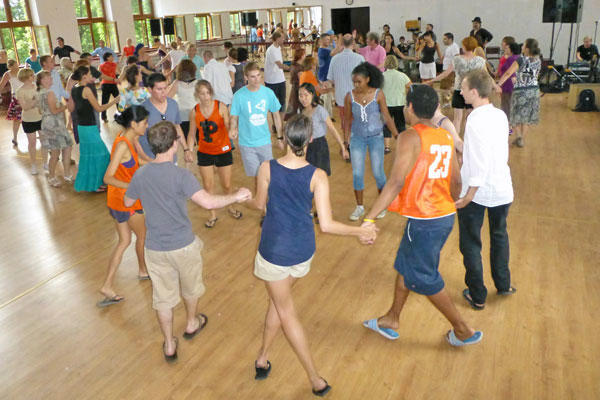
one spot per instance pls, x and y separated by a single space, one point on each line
427 176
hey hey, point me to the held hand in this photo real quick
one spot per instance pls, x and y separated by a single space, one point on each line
243 195
233 134
369 233
188 157
280 144
462 202
497 88
345 154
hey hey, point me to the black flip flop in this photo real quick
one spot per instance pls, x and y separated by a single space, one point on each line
107 301
203 323
508 292
323 391
469 299
262 373
173 357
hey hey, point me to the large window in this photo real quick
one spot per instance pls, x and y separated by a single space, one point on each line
235 24
142 13
91 21
17 33
180 30
203 24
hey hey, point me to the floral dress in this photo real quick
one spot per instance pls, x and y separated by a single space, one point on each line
54 134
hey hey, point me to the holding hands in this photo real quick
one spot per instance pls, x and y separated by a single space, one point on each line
369 232
242 195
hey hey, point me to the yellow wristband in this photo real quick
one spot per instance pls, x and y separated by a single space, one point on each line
369 220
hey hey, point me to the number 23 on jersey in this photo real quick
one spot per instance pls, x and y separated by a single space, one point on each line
441 164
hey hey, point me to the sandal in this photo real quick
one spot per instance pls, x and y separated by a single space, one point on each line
261 372
172 357
387 150
508 292
211 222
202 319
323 391
237 214
469 299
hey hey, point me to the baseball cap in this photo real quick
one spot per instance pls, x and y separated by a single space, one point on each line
476 19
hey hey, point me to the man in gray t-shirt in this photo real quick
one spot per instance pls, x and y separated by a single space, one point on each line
172 249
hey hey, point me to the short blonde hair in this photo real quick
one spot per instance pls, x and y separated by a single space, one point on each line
24 74
391 62
64 62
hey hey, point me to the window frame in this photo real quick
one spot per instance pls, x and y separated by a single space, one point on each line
143 17
90 21
10 24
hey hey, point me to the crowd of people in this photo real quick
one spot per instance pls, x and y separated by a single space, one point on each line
208 108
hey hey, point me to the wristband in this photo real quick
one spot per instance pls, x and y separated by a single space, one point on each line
369 220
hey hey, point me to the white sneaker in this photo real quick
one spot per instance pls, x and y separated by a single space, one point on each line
68 179
381 214
54 182
34 170
358 212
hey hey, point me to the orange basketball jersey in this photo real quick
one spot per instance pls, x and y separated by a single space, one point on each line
115 195
426 192
213 137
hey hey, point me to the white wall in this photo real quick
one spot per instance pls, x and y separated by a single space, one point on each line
518 18
120 12
60 16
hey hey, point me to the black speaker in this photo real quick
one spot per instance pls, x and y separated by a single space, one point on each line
155 27
571 11
568 11
249 19
169 26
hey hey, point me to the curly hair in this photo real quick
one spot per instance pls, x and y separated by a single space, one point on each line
371 72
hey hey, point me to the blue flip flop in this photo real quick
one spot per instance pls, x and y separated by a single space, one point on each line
454 341
385 332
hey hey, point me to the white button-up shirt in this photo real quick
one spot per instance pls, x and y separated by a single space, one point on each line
485 157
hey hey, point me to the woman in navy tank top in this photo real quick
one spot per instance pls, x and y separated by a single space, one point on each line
287 243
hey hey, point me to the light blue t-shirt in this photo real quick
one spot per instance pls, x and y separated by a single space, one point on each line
35 65
252 109
199 62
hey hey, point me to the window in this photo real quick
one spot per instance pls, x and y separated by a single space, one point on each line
234 23
180 28
91 21
216 25
17 34
142 13
203 23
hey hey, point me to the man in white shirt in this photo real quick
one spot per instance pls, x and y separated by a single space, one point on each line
486 185
339 73
447 84
274 67
219 77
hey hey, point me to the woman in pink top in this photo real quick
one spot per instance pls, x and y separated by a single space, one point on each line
373 52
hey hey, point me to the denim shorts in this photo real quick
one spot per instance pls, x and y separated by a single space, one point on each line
123 216
418 256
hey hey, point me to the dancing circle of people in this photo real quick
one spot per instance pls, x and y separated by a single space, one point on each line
435 173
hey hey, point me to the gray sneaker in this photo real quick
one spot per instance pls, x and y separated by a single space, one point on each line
358 212
381 214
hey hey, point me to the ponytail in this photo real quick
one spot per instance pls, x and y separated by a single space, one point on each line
297 133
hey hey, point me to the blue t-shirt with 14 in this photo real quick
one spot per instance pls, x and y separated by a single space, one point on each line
252 109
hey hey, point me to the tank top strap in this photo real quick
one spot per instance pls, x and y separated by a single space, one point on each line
122 138
375 97
439 123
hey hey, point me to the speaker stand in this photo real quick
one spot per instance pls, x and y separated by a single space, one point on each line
570 40
552 40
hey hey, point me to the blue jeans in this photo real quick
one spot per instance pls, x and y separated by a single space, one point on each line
358 152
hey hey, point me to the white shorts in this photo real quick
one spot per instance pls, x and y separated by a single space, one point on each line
427 71
270 272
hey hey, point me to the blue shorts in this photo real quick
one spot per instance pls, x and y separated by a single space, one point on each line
418 256
123 216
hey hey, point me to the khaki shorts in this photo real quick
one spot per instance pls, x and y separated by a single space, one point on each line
270 272
172 270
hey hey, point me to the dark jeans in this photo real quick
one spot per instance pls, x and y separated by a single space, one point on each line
107 90
470 221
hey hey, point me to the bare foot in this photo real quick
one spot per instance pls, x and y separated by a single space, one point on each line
387 322
318 384
261 361
464 333
109 293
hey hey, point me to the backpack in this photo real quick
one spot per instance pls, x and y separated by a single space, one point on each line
587 101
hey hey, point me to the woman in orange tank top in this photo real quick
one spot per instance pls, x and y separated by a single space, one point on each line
123 164
210 119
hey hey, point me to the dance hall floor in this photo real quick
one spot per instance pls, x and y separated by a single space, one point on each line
541 343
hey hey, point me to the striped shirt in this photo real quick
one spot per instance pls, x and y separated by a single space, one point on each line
340 73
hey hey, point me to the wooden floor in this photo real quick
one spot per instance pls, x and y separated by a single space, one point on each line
542 343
